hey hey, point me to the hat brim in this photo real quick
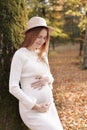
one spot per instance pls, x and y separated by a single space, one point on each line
51 29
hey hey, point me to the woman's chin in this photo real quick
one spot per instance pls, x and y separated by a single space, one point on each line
38 47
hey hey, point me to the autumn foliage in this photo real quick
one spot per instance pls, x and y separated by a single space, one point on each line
70 87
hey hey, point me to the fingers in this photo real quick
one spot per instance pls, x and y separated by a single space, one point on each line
37 84
40 82
44 108
45 78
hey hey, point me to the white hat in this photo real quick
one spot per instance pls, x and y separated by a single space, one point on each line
37 22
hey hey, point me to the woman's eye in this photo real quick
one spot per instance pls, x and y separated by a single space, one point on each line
41 37
38 37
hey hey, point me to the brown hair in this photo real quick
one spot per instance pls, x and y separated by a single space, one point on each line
30 37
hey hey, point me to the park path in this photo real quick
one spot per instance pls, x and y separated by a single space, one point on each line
70 87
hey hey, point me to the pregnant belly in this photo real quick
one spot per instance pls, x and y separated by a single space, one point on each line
43 95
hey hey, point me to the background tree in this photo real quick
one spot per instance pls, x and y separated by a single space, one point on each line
13 17
56 20
85 49
79 8
52 11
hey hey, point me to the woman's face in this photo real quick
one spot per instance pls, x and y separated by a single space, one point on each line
40 40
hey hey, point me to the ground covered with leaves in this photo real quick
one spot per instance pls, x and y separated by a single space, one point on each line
70 87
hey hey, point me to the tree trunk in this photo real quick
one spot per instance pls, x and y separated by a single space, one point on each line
12 19
85 51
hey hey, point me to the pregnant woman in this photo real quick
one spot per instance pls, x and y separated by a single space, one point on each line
30 69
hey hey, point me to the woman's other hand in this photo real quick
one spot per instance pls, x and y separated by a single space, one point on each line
41 107
40 82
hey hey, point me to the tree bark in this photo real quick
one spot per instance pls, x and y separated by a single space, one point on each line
85 51
12 14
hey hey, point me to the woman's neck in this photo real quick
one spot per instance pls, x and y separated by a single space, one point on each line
32 48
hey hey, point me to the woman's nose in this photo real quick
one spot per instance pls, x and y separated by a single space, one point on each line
42 39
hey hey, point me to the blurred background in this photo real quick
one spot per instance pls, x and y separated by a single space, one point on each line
69 19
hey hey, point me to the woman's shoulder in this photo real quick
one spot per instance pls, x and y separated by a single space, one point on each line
19 53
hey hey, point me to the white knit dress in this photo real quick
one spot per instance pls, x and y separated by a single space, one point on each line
25 67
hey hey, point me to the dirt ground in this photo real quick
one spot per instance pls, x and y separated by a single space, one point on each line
70 86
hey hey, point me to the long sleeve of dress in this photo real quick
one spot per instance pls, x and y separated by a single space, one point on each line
14 88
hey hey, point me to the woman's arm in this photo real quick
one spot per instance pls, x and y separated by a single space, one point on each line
42 80
15 75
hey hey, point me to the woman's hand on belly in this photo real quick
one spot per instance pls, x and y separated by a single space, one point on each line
41 107
40 82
